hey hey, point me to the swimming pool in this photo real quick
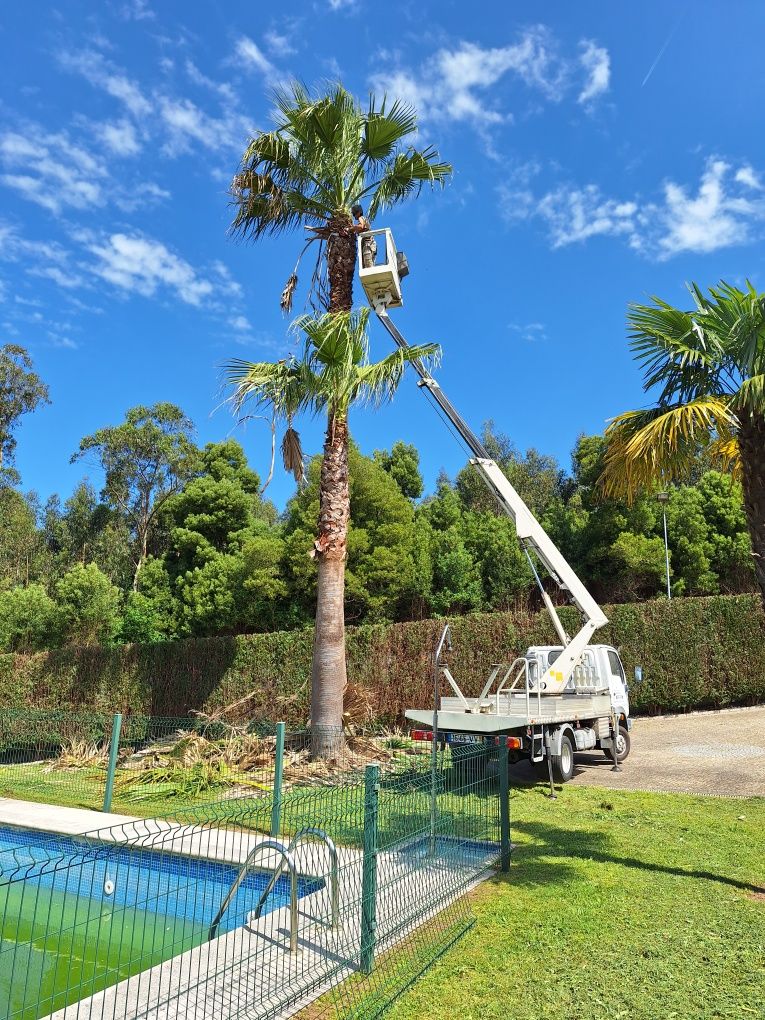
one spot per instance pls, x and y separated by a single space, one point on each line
78 915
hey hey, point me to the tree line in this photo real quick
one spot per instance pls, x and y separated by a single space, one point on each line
182 541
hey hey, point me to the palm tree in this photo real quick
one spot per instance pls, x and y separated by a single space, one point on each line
709 366
325 155
333 374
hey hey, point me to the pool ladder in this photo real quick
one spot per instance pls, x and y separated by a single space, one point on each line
286 859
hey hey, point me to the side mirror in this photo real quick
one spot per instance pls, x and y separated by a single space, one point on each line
638 674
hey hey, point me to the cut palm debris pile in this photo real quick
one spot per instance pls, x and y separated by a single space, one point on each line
80 754
189 763
359 752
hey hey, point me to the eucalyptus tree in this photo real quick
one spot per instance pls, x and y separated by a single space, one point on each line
145 460
21 391
332 375
708 365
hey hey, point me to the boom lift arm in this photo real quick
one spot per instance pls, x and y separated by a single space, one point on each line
534 539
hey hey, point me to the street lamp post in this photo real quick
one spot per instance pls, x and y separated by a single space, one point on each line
663 498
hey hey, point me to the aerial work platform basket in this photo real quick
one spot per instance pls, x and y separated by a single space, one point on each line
381 268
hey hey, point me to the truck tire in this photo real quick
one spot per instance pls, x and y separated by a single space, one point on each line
622 745
563 763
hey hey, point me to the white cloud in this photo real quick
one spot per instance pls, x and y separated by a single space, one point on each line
66 342
119 136
185 122
722 212
745 175
240 322
226 284
716 217
141 264
94 67
137 10
341 5
253 57
280 45
531 332
597 64
221 88
141 195
453 84
576 214
61 277
61 175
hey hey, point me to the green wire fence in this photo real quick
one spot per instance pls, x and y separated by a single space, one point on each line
135 764
212 914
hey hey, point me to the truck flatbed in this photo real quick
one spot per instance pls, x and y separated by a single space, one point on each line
512 712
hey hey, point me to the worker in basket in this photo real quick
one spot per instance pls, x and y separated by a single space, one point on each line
368 243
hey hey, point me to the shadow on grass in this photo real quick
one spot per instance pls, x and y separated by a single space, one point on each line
590 846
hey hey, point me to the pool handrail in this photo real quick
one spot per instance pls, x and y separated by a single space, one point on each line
334 887
287 859
297 839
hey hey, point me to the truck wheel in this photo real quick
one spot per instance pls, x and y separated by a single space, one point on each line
622 745
563 763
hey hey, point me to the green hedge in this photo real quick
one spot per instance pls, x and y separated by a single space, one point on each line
695 653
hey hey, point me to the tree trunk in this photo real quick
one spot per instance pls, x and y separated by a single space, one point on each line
328 675
751 440
328 672
341 263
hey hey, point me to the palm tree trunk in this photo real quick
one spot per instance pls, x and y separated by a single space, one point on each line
751 440
328 674
341 263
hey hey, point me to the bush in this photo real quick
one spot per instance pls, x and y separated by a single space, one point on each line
88 604
28 619
695 653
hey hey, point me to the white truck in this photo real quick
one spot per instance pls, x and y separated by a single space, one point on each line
556 699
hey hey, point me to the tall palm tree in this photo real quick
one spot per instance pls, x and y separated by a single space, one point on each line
333 374
709 367
325 155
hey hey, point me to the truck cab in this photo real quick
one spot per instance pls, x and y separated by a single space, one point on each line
600 669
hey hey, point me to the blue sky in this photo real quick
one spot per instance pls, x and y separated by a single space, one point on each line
603 153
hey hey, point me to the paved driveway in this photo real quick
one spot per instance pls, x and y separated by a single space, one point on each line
720 753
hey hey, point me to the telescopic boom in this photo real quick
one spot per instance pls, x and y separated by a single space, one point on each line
534 539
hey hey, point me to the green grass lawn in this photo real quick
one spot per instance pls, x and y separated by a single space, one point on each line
84 788
618 906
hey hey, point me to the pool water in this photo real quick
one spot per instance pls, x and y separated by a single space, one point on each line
89 914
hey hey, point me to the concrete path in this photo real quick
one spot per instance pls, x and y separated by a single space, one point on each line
717 753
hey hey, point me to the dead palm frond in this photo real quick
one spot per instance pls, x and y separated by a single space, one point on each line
285 301
292 454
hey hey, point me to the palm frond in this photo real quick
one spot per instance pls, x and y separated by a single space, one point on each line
285 301
292 454
751 395
675 351
724 454
378 381
385 128
660 445
405 176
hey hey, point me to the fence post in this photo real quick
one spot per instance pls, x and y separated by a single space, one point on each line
503 763
114 748
276 807
369 869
